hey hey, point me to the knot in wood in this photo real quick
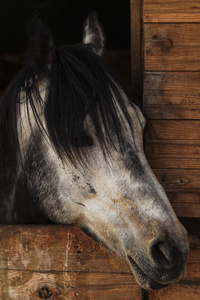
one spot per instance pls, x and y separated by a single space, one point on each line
45 293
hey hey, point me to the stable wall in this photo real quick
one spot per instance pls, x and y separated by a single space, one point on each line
166 75
166 63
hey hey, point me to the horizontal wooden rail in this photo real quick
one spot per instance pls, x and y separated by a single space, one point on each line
61 262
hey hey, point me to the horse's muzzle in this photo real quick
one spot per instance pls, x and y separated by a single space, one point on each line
163 264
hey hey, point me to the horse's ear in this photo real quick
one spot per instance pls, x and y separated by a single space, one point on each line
40 44
93 33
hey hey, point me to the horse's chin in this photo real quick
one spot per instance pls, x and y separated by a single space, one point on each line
144 281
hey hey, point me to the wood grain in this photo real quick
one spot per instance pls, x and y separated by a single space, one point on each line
38 260
63 260
55 248
171 11
187 210
171 162
183 190
176 148
184 180
184 198
179 88
167 112
27 285
185 130
185 204
136 47
171 47
181 291
178 5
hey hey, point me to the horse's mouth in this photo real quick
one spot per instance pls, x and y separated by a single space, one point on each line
144 281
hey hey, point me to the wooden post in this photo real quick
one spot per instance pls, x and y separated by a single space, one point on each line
136 48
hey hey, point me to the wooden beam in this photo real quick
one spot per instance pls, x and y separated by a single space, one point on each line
173 130
178 88
60 262
171 47
136 47
184 180
162 11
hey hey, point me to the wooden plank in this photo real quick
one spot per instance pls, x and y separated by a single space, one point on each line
179 88
182 189
171 11
171 47
186 210
37 242
64 261
55 248
159 111
171 97
179 179
173 130
136 47
171 5
171 17
178 148
170 162
28 285
181 291
184 198
185 204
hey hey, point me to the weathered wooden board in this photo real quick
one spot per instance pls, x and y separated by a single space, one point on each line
58 262
26 285
171 162
55 248
64 262
171 47
179 148
182 291
167 112
183 190
186 210
184 198
179 88
171 11
179 179
184 130
136 46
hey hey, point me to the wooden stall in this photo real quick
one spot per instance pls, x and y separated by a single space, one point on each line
166 68
166 63
61 262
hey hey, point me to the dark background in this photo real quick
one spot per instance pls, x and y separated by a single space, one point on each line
65 18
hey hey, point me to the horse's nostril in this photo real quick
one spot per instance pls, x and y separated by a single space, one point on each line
160 255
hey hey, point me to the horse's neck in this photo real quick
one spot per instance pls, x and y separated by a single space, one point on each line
8 184
17 205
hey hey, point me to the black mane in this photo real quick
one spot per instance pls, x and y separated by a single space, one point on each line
80 83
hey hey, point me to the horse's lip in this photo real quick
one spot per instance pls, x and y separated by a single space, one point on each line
143 279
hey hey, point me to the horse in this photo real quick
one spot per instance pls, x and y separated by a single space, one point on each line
71 152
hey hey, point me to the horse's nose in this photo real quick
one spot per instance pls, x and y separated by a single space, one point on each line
166 255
